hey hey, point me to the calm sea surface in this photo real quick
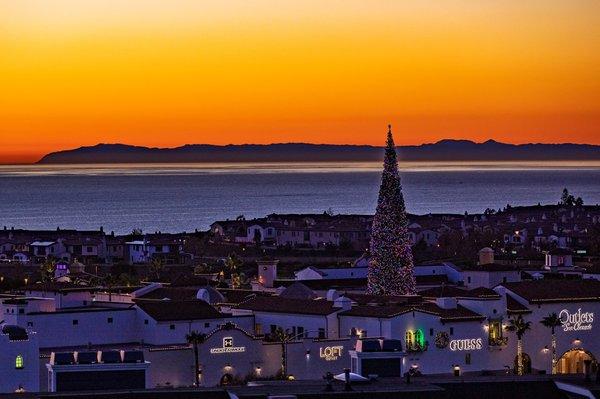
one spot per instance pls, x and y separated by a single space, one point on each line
175 198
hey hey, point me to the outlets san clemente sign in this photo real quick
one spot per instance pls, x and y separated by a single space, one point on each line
578 321
330 353
466 344
228 347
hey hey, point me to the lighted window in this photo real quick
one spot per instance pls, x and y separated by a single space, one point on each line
19 362
415 340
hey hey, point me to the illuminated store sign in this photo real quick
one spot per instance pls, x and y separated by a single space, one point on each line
576 321
466 344
228 347
330 353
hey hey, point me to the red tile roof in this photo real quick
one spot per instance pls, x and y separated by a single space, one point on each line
276 304
513 306
459 313
178 310
546 290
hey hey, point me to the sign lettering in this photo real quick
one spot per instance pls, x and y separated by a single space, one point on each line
576 321
466 344
330 353
228 347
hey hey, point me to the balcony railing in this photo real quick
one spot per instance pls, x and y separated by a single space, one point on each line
416 347
498 341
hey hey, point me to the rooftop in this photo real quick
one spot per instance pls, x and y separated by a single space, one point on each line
276 304
178 310
551 290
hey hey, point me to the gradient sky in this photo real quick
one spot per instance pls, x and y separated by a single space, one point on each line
166 73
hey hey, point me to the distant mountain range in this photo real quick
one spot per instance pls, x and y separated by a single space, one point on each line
444 150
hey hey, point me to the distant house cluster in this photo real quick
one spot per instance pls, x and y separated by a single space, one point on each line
532 227
88 247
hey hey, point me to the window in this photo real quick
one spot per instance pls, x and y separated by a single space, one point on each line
469 279
75 322
431 332
451 330
504 279
21 311
90 249
30 324
321 333
300 332
273 328
495 333
258 329
145 321
172 327
467 358
19 362
415 340
109 320
206 325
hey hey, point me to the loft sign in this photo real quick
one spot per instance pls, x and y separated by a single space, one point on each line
228 347
330 353
466 344
577 321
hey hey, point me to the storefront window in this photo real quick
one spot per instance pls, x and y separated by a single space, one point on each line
19 362
415 341
495 337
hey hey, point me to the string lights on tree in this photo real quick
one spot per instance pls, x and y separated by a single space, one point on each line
391 265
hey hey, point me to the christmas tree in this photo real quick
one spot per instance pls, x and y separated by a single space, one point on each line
391 265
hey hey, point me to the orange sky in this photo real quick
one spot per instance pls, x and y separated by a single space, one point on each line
166 73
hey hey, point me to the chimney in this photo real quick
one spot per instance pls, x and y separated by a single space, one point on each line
446 302
267 272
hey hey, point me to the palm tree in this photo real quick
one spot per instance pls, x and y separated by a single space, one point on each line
110 281
282 336
552 321
195 338
519 326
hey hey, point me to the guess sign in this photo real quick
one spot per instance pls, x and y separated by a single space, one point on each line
576 321
466 344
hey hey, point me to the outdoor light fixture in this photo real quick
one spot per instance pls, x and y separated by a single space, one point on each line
308 353
291 377
545 349
227 366
577 342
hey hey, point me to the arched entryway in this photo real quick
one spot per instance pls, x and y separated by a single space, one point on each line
573 362
226 379
526 364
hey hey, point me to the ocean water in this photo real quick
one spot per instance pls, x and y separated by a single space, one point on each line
176 198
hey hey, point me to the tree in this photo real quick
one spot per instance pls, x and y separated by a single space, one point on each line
282 336
519 326
569 200
233 263
195 339
47 270
552 321
110 281
155 268
391 266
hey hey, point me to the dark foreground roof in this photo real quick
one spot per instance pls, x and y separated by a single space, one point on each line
551 290
393 389
276 304
178 310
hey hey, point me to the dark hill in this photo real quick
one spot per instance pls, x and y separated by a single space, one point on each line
444 150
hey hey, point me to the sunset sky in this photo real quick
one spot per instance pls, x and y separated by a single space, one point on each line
166 73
